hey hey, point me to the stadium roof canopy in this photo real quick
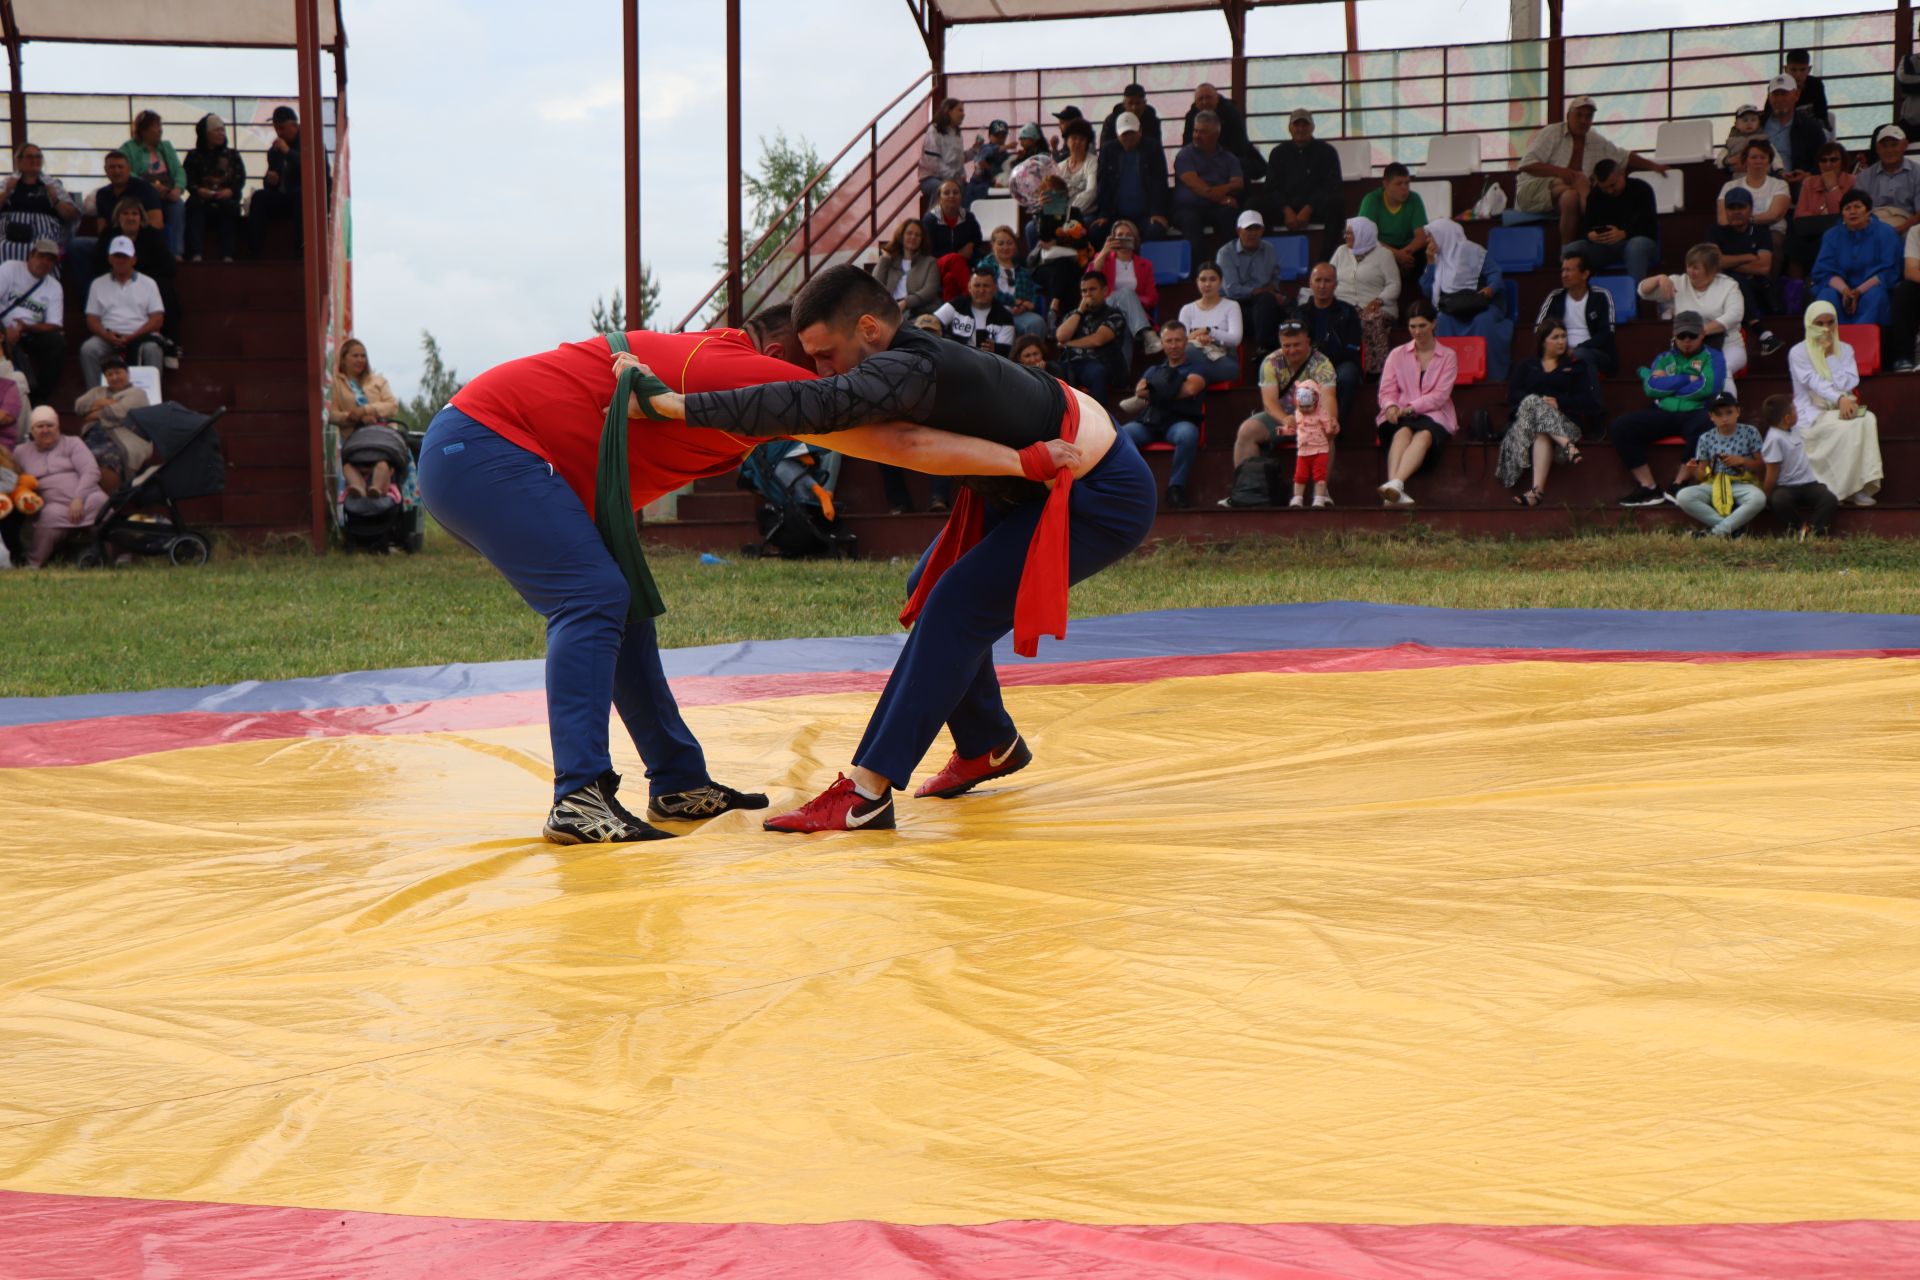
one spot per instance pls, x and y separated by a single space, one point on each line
228 24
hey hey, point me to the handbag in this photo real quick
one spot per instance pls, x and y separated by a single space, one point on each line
18 232
1464 304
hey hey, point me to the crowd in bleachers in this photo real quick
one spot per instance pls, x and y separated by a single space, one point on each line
117 249
1309 300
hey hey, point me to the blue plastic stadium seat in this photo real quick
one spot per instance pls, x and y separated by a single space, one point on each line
1517 248
1296 257
1172 260
1626 299
1515 218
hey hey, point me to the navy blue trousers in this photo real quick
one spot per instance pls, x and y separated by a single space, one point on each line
945 673
508 505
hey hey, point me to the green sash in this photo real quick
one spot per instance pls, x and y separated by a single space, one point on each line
613 490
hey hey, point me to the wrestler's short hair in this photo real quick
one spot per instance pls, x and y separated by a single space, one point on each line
772 324
839 296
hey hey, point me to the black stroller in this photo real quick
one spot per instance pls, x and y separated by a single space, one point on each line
144 518
381 523
797 519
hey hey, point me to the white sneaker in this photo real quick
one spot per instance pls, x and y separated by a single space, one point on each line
1322 501
1150 342
1391 493
1861 499
1298 504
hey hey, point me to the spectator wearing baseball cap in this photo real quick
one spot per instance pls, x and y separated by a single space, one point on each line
1304 184
124 312
1250 275
1682 381
1130 183
33 316
1796 137
1746 127
1748 255
988 162
1133 102
1065 117
1890 180
279 194
1556 171
1725 470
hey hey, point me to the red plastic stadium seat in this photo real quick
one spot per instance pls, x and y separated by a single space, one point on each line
1161 446
1865 341
1671 440
1472 354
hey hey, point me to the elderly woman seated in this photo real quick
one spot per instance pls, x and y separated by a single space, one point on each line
119 447
69 484
1842 438
1467 293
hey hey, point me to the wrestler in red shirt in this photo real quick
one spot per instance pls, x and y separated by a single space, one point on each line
508 467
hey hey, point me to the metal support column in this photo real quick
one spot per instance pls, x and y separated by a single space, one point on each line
630 38
736 169
315 243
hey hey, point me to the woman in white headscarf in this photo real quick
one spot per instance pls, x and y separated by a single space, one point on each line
1368 278
1467 290
1841 436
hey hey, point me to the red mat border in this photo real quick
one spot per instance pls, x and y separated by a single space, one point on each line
105 738
52 1237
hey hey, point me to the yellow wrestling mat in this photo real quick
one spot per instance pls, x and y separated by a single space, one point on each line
1531 942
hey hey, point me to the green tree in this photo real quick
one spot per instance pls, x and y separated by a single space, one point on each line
607 316
438 384
786 167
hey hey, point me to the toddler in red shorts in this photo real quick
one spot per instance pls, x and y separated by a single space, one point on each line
1312 425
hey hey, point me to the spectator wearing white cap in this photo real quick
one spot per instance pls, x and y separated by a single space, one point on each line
33 317
1303 185
1131 183
1209 184
1250 275
1556 171
1890 180
124 311
1796 136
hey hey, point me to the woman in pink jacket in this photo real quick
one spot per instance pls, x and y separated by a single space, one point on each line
69 482
1133 289
1416 404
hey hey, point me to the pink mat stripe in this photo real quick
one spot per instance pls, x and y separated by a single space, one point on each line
95 1238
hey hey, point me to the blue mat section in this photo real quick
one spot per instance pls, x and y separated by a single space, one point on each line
1332 625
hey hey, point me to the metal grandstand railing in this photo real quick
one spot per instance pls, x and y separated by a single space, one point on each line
1398 100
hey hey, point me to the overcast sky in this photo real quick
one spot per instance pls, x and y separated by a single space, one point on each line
486 135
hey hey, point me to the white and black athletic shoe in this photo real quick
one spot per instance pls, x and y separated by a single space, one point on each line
701 803
594 815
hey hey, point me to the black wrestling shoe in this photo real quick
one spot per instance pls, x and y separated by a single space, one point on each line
700 803
594 815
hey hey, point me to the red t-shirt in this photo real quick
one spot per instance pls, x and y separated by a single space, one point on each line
555 405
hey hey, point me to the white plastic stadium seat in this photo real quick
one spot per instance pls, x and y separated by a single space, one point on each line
1667 189
1356 157
1437 197
996 211
1451 156
1684 142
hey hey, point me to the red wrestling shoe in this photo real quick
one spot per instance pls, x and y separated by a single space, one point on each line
961 775
838 808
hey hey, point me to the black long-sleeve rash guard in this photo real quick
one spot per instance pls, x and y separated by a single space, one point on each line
919 378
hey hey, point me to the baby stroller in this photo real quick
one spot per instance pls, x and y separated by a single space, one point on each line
144 518
797 520
380 522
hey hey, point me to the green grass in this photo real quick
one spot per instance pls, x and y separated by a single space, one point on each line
275 613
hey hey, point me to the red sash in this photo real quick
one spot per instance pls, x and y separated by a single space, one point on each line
1040 607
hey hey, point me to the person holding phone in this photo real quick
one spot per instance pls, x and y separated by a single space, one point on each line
1622 223
33 206
983 323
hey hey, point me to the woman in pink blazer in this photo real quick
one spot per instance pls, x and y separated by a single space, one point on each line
1416 404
